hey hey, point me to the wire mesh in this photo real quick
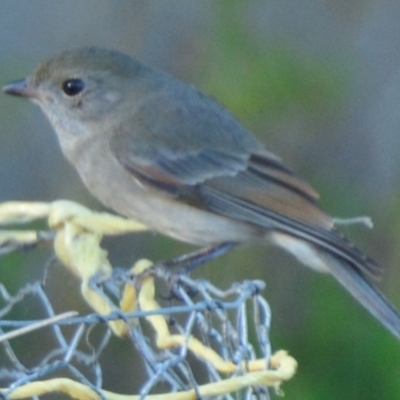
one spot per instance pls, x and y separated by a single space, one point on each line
191 336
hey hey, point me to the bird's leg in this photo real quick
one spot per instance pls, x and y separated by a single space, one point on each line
191 261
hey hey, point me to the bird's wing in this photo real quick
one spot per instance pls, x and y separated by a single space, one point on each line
252 187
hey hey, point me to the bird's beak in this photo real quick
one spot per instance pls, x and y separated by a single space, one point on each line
20 88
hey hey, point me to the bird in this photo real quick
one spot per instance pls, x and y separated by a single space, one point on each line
156 149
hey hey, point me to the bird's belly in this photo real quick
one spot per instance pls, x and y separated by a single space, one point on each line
120 191
183 222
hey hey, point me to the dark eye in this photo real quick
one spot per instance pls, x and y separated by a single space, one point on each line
72 87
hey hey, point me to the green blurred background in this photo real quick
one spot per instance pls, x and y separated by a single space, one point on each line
317 81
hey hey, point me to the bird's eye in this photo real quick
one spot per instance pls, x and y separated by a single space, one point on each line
72 87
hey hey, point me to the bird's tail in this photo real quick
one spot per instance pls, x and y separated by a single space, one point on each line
363 291
350 267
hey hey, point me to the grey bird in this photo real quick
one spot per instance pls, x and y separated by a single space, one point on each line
156 149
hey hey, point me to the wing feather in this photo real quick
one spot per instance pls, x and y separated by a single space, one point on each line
255 189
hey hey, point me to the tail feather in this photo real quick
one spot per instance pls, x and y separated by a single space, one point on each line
348 271
364 292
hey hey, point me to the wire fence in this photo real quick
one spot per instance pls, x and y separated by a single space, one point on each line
189 338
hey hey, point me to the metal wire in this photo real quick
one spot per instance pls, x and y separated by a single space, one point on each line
234 322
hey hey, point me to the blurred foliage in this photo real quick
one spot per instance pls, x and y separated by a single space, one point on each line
266 82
